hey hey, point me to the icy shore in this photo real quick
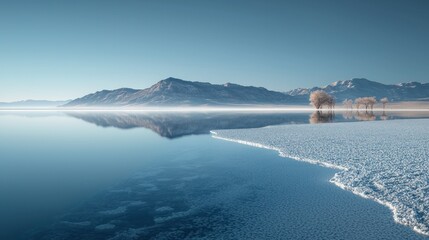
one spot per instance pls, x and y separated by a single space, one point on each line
386 161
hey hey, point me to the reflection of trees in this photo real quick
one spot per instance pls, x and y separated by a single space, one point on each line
384 116
348 115
321 117
365 116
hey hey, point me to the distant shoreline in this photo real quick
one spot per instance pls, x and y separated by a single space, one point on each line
393 106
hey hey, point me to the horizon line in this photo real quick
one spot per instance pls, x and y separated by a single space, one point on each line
211 109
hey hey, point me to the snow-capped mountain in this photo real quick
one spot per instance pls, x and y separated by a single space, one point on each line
173 92
361 87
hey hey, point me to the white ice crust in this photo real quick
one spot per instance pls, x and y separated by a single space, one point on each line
386 161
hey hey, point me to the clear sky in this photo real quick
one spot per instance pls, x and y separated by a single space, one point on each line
65 49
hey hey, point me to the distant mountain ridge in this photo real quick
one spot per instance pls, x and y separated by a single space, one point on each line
177 92
33 103
173 91
361 87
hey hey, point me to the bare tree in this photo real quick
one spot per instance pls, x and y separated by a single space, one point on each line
358 102
320 98
348 103
371 101
384 101
330 102
365 102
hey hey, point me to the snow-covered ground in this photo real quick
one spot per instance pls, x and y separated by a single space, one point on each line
387 161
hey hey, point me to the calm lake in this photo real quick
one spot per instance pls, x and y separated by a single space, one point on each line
131 175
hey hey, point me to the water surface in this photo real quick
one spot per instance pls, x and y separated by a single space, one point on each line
140 176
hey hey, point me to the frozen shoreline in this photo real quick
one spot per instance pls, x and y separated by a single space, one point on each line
403 212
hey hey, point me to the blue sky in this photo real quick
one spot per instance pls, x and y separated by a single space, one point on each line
65 49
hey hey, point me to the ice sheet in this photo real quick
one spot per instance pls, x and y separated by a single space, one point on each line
387 161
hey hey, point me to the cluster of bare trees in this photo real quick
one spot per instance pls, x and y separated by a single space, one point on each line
367 102
320 98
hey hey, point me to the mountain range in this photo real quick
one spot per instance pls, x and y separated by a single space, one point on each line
361 87
32 104
177 92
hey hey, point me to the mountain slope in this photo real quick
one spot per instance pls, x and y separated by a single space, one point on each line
173 92
104 98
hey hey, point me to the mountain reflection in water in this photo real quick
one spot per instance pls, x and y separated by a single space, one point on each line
177 124
173 125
